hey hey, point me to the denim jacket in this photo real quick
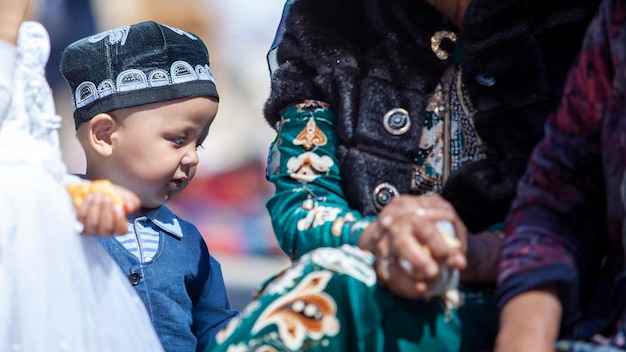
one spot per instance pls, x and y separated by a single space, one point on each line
182 286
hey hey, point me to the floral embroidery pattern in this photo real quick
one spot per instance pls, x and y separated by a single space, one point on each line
348 260
305 312
318 216
286 279
311 136
308 166
340 221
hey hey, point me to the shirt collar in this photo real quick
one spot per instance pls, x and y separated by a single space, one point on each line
165 219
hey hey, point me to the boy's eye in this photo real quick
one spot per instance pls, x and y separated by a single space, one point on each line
178 141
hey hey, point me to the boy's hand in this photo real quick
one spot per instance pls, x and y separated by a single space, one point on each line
105 213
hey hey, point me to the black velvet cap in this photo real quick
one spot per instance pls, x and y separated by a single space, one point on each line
134 65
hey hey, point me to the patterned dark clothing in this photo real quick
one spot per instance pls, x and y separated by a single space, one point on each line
566 227
358 113
373 62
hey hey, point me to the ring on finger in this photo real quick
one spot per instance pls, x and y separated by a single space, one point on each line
409 270
382 268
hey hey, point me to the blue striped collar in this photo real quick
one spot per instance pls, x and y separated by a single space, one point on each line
165 219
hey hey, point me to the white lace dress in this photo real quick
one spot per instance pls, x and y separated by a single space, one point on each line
59 291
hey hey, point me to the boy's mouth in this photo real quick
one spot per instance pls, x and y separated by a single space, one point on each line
178 184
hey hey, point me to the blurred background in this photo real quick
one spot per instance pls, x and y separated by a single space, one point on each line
226 200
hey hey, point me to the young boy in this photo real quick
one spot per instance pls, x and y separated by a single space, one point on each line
144 99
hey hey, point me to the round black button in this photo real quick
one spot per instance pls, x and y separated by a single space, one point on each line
396 121
383 193
134 279
486 80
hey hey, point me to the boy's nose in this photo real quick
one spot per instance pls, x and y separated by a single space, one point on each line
191 158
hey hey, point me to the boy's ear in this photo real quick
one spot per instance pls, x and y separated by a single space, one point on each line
101 127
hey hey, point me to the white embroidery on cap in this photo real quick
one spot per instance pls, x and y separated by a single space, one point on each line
182 71
204 73
158 78
181 32
132 79
86 93
106 88
117 35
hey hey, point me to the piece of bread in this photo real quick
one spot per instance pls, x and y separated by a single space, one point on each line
78 192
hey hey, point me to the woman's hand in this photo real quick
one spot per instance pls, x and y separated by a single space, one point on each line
410 247
101 217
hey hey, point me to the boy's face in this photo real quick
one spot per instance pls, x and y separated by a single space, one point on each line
154 149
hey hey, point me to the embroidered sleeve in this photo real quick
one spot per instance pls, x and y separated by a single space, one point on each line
308 209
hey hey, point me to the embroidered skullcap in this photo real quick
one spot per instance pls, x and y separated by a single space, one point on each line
134 65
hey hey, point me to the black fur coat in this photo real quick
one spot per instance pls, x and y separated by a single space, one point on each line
365 57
